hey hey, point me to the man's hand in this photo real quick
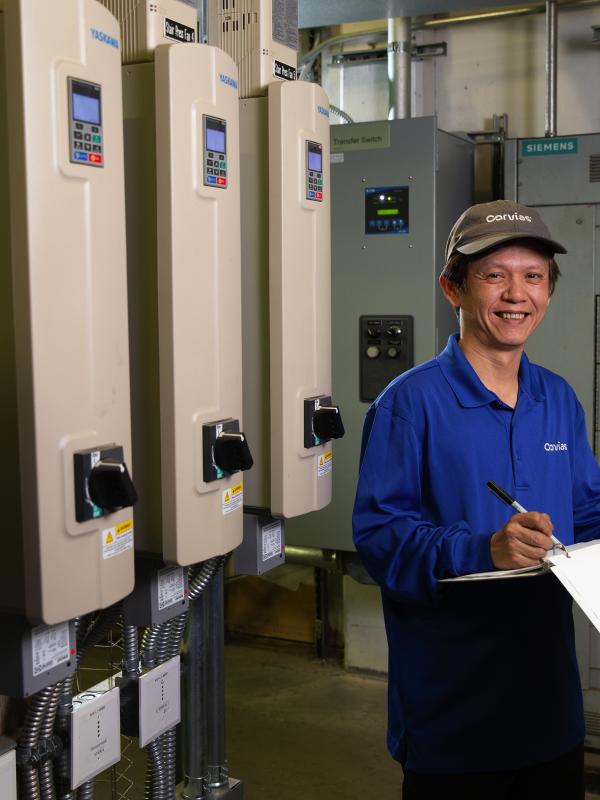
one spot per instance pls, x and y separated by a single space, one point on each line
522 541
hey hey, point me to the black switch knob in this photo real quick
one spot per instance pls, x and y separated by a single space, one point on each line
110 485
394 331
232 453
327 423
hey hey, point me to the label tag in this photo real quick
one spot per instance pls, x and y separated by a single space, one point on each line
233 499
372 136
281 70
325 464
178 32
118 539
271 540
336 158
556 146
50 647
171 587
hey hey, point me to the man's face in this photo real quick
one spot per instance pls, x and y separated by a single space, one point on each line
506 296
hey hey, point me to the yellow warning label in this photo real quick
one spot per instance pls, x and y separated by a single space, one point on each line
124 527
227 498
325 464
109 538
239 487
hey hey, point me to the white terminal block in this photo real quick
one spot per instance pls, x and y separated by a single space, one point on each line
299 292
148 23
8 776
159 700
63 302
262 38
95 734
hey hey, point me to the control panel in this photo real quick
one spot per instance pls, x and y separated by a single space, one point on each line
85 123
314 171
386 209
215 151
386 350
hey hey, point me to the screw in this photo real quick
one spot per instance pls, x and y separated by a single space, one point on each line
579 221
364 180
364 247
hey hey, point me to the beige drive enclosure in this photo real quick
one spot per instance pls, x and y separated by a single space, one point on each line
185 306
63 300
286 295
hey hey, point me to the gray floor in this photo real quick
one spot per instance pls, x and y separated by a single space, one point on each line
301 728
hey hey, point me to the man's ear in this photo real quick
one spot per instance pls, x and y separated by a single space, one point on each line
450 290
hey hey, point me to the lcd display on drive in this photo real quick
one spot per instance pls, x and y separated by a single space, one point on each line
85 102
315 161
215 135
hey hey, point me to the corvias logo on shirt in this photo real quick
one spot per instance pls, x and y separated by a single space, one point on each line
554 447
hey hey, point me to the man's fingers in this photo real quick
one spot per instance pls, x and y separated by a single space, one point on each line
535 521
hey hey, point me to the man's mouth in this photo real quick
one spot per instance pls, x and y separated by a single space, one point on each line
511 314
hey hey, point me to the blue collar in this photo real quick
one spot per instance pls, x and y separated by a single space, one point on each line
466 385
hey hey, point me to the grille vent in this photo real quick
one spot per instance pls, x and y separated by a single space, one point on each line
595 168
592 723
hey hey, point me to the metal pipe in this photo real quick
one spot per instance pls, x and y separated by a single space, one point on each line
399 66
218 774
193 711
551 40
312 557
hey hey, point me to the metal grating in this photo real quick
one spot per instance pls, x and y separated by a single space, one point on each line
592 723
595 168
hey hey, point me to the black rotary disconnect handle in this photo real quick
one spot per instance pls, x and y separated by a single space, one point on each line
327 422
232 453
110 485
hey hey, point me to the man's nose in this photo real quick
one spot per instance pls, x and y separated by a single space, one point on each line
514 291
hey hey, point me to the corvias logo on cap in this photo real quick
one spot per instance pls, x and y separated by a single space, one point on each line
100 36
508 217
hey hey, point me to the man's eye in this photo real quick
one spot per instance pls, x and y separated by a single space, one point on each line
535 276
494 276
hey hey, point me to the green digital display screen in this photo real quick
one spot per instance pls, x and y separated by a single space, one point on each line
386 209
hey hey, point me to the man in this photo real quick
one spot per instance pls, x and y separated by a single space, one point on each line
484 693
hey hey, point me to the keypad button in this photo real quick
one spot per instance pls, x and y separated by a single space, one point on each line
211 155
96 139
95 129
79 126
79 156
78 135
211 179
87 137
222 181
209 171
96 148
222 172
95 158
209 162
319 195
88 146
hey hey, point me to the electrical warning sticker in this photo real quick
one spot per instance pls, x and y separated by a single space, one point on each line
325 464
171 587
233 498
50 647
118 539
271 540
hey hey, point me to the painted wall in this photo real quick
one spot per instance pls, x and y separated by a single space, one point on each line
492 67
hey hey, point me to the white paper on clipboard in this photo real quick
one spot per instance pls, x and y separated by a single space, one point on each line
580 575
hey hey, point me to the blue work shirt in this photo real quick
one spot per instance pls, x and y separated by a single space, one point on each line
482 676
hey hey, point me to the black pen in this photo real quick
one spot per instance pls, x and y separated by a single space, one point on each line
510 501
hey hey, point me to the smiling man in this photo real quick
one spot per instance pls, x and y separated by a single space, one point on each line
484 692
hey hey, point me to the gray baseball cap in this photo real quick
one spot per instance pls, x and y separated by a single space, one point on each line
487 224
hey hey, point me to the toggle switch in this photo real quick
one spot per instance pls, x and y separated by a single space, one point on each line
232 453
322 421
102 482
224 449
110 486
327 423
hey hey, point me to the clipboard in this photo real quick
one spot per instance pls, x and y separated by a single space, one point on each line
579 574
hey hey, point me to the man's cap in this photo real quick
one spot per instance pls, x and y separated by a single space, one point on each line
487 224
